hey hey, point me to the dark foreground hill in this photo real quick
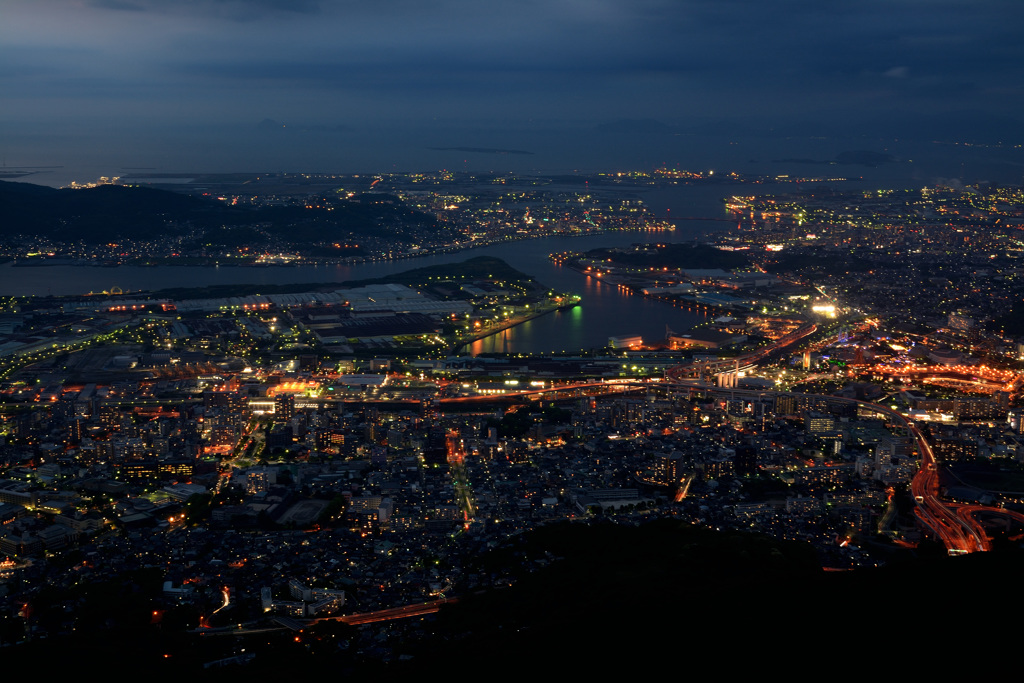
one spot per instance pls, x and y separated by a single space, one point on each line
602 602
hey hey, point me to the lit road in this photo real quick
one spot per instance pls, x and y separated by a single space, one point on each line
226 592
389 614
460 479
239 450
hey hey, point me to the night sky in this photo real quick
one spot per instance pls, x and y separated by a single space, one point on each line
375 85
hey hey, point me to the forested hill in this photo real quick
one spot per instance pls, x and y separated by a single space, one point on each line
108 212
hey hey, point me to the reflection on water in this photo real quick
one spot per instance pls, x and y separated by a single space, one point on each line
606 311
554 332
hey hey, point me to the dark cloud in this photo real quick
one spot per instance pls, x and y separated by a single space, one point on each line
235 9
120 5
697 65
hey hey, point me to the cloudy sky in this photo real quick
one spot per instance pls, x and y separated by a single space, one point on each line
155 82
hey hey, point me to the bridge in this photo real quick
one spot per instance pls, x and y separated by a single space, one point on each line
691 369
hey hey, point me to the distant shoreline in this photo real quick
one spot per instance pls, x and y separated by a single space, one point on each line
299 263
